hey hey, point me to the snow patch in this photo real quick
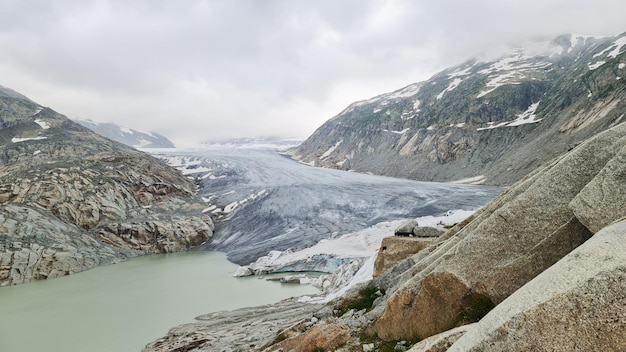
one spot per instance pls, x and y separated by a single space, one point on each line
330 150
476 180
455 83
398 132
524 118
527 116
614 49
142 143
43 124
17 140
416 106
511 69
596 64
460 73
405 92
126 130
621 65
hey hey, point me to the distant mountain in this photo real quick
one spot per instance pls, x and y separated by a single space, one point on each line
10 93
255 142
133 138
483 121
71 199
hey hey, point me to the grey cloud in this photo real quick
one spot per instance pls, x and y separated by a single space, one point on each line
246 67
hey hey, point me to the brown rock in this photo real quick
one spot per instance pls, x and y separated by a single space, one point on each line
395 249
327 337
434 308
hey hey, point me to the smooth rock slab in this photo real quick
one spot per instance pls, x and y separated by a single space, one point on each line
604 199
246 329
578 304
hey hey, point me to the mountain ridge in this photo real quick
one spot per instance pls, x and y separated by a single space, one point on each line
479 119
130 137
71 200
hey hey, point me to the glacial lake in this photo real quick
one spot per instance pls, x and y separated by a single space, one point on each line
122 307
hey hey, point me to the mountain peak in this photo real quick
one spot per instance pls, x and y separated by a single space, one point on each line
553 92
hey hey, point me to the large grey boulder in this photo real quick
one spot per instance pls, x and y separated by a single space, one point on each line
578 304
604 198
406 228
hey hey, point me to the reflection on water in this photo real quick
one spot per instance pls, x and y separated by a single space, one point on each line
122 307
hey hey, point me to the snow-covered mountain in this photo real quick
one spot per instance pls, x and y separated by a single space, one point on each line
133 138
490 121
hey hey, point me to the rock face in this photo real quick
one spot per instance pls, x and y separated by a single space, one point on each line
481 121
578 304
71 200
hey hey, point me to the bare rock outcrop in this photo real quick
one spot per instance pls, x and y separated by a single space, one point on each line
604 198
509 242
578 304
71 200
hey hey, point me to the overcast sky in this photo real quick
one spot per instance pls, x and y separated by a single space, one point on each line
196 70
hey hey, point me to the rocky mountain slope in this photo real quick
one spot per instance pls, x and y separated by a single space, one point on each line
130 137
71 200
484 121
541 267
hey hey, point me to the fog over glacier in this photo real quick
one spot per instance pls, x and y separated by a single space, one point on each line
265 201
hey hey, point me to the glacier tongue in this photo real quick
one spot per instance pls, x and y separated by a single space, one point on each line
348 260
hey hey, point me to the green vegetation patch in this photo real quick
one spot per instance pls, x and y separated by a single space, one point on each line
477 305
364 300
